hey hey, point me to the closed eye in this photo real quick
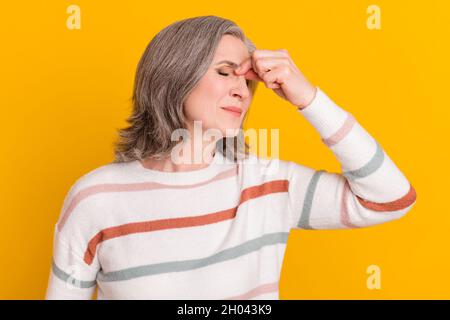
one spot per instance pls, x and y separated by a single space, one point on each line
226 74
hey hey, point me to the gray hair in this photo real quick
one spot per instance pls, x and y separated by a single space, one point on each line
170 67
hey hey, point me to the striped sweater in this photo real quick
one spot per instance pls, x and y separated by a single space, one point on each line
218 232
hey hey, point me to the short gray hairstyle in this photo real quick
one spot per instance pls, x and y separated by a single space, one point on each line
170 67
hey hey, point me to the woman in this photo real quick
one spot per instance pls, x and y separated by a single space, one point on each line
154 224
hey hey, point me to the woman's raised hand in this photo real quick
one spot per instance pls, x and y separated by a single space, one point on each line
278 72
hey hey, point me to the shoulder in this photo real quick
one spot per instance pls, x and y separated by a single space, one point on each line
85 195
107 173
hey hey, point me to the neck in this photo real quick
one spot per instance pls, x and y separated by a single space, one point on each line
185 158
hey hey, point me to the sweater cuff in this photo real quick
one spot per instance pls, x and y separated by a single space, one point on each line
324 115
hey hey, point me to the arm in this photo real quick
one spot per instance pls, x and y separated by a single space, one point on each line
371 189
70 276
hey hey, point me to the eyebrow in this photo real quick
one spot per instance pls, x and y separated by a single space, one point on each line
231 63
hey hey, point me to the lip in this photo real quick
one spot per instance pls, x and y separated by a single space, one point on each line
235 110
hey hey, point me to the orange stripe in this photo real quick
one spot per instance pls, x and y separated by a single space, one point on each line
263 189
395 205
173 223
345 217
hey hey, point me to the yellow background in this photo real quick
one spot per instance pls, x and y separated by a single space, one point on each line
65 92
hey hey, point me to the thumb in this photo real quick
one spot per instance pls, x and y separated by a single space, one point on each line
252 75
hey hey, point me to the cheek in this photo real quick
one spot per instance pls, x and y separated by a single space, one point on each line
204 101
212 90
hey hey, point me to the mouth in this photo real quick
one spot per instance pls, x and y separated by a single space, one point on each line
233 110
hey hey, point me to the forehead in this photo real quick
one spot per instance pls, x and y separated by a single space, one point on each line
231 49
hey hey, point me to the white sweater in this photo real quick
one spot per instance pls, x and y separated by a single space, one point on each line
218 232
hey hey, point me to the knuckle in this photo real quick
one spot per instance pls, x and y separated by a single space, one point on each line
286 70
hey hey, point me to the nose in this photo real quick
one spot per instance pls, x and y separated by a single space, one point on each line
241 88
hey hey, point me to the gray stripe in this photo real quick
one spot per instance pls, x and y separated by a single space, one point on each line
370 167
306 212
59 273
174 266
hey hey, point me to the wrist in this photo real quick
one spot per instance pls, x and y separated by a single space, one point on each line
312 95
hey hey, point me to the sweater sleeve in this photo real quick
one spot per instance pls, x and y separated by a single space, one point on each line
370 190
70 278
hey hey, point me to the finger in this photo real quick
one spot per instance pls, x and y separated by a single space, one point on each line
247 64
266 60
270 53
265 65
244 67
273 79
273 86
252 75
